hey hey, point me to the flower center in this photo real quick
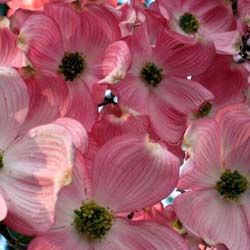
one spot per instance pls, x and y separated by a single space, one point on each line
177 226
231 185
1 160
189 23
204 110
72 65
151 74
93 220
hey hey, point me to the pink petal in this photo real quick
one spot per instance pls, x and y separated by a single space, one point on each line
109 16
226 42
46 92
204 167
134 93
8 45
14 102
217 19
244 201
168 7
62 15
132 235
62 240
201 7
75 194
112 125
88 36
77 131
127 20
139 44
235 121
41 37
130 172
70 198
98 92
213 218
3 208
225 80
153 20
183 56
89 156
116 62
167 122
80 104
184 95
36 167
18 18
243 9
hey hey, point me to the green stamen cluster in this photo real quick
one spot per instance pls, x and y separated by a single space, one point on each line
177 226
1 160
204 110
231 185
72 65
93 220
189 23
151 74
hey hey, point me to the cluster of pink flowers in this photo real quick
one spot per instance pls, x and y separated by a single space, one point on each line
106 109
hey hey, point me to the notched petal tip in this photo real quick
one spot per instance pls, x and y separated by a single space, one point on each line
153 146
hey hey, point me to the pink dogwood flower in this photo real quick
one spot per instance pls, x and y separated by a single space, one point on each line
156 83
201 20
216 207
129 172
67 52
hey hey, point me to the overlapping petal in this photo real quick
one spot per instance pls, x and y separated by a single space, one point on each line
235 122
133 167
54 241
70 198
89 36
14 103
226 80
61 14
80 105
183 56
36 166
78 133
134 93
41 37
204 167
141 235
112 125
109 16
184 95
47 93
116 62
168 123
9 50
